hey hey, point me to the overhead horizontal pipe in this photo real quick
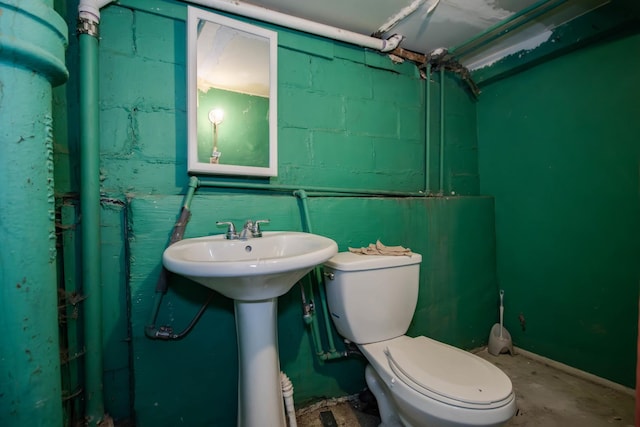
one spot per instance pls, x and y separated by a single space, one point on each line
325 191
300 24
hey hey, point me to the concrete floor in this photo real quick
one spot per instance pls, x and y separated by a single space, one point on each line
546 396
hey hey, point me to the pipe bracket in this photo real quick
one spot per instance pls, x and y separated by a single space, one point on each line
88 26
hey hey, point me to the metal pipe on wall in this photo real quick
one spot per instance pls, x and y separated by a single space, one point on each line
88 34
90 225
33 40
153 332
441 153
427 136
162 283
300 24
317 275
325 191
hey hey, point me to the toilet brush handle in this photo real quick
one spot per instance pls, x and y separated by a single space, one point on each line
501 319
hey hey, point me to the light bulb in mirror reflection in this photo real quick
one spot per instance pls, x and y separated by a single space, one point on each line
216 116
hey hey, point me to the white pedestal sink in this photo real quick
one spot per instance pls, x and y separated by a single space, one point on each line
254 273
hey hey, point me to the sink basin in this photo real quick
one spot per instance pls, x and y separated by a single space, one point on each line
249 270
254 272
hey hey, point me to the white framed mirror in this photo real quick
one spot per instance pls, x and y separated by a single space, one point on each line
231 96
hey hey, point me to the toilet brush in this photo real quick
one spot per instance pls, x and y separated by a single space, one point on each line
499 337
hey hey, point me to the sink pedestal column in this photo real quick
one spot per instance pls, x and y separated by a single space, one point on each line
259 391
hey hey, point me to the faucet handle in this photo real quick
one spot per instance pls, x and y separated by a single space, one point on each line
256 227
231 230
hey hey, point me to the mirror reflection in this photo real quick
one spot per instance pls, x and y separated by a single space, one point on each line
232 97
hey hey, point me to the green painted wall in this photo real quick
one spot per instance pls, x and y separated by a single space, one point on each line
559 150
349 118
556 146
455 303
239 144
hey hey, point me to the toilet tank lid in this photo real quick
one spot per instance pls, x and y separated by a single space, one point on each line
348 261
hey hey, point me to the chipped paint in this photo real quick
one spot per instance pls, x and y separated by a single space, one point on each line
478 14
430 5
523 47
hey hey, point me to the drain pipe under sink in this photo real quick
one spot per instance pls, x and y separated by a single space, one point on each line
287 395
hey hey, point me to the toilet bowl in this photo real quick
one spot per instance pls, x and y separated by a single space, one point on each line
416 381
427 383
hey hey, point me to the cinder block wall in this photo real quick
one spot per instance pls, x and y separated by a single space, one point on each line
348 118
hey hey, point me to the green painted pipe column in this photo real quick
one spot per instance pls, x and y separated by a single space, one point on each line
33 38
90 222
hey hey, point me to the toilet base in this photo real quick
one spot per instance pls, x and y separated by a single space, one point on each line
387 410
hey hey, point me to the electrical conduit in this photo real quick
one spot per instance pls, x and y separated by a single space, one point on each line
88 34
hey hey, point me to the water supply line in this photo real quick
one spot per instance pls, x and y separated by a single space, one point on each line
273 17
316 191
317 275
166 332
88 36
287 395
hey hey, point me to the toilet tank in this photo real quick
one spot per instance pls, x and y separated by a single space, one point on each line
372 298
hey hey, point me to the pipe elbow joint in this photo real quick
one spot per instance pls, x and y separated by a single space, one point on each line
194 182
301 194
391 43
90 9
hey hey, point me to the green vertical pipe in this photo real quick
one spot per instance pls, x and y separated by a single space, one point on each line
325 310
191 191
302 195
315 328
427 166
441 153
90 226
32 44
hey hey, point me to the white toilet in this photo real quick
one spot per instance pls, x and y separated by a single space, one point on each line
416 381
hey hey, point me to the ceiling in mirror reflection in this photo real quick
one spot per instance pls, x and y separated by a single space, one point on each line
232 60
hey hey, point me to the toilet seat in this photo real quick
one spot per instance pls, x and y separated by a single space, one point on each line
448 374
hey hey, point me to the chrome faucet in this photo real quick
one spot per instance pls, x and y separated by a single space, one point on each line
251 229
231 230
